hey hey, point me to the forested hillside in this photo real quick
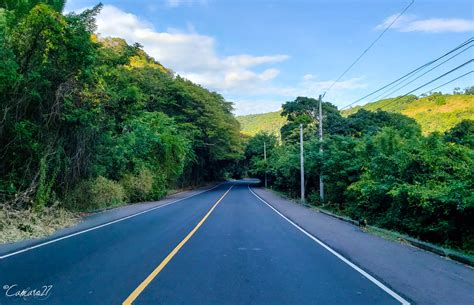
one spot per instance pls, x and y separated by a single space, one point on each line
378 167
89 122
437 112
253 123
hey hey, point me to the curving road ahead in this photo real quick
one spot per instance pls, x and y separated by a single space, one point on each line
221 246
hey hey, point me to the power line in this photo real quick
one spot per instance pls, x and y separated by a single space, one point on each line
411 81
431 81
470 40
413 71
446 83
369 47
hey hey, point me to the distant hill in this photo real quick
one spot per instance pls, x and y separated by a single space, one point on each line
434 113
253 123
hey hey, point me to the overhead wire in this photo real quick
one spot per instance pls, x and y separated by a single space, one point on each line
385 94
444 84
369 47
416 70
448 82
427 83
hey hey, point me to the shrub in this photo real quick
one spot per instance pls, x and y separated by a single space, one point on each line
314 199
438 98
94 194
159 186
138 187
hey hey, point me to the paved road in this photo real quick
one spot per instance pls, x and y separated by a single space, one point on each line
223 246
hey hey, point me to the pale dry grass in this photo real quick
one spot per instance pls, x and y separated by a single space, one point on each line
440 117
454 103
16 225
430 114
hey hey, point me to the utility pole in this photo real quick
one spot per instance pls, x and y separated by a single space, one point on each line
265 158
302 162
321 182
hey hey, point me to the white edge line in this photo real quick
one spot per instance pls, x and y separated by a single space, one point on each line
102 225
342 258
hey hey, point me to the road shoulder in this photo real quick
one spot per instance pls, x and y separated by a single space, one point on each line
421 276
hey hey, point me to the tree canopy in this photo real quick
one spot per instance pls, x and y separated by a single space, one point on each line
79 110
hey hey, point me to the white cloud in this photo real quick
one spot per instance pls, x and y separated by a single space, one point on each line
308 77
308 86
411 23
190 54
441 25
249 60
173 3
253 106
352 83
401 21
176 3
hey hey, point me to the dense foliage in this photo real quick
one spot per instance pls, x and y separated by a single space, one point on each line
271 122
93 122
378 166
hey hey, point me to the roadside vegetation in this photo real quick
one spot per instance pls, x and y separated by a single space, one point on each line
89 122
378 168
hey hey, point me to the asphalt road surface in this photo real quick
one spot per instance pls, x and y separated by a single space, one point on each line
221 246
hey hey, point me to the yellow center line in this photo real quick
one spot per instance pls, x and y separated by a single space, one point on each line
160 267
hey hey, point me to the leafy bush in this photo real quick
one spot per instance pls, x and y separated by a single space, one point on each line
93 194
438 98
138 187
462 133
160 186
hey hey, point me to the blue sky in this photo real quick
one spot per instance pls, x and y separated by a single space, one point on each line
259 54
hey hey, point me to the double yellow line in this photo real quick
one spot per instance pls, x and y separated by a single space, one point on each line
168 258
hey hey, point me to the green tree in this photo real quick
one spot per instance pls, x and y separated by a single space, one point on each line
254 153
469 90
462 133
47 55
365 122
304 110
20 8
